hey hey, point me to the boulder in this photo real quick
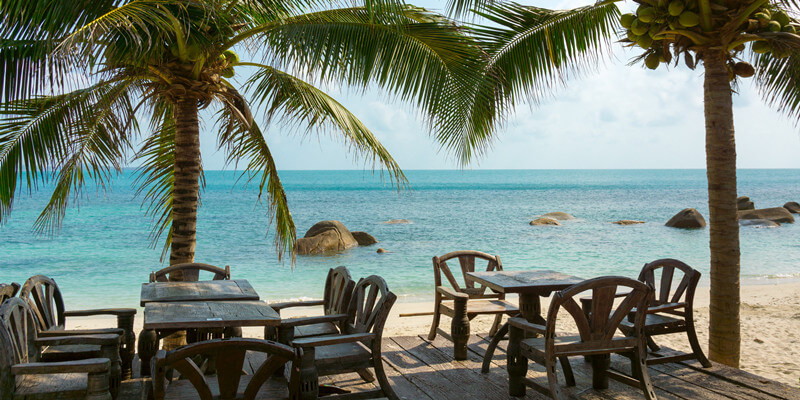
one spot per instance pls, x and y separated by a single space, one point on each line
793 207
627 222
558 215
325 237
688 218
381 250
397 221
364 238
545 221
744 203
774 214
759 223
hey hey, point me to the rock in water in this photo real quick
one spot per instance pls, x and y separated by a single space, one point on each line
688 218
627 222
397 221
793 207
325 237
759 223
744 203
774 214
364 238
545 221
558 215
381 250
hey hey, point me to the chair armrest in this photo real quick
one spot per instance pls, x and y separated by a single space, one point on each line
291 304
664 307
334 339
101 311
450 293
99 340
292 322
523 324
89 365
82 332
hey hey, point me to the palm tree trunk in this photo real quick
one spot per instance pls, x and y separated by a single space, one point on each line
186 190
724 336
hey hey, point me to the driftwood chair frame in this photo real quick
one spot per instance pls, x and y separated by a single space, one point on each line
597 338
19 357
671 311
8 291
230 355
47 304
463 303
191 272
357 348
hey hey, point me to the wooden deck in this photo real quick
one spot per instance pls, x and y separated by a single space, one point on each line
420 369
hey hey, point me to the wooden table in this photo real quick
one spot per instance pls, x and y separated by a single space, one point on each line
163 319
238 289
530 285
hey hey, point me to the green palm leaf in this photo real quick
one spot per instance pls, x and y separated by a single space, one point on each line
778 79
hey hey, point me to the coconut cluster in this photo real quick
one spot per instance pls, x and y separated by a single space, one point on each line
771 21
651 26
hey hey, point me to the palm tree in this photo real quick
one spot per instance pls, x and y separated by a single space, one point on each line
531 49
76 78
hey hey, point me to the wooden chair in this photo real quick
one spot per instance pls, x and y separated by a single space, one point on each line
230 383
191 272
597 338
463 303
671 311
8 291
357 348
23 375
47 304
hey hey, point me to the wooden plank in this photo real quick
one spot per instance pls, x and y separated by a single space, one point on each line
665 383
540 282
208 314
422 376
746 379
710 382
239 289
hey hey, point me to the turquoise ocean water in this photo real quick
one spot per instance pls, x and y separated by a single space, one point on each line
102 254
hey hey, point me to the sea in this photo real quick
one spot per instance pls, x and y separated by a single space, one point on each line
103 251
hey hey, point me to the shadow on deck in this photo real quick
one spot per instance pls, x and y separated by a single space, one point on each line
421 369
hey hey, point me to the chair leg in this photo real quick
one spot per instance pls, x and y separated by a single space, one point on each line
696 348
308 377
516 364
435 323
640 372
487 358
459 329
383 382
496 325
97 386
652 344
366 375
569 377
552 378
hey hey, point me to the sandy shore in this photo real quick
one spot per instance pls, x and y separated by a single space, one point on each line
770 327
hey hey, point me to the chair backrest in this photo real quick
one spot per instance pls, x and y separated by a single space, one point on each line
466 260
598 329
369 307
338 290
17 333
683 293
47 305
191 272
8 291
230 357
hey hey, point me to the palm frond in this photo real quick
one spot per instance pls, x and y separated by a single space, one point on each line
778 78
243 140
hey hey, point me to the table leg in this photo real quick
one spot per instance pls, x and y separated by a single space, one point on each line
129 344
148 345
459 328
530 307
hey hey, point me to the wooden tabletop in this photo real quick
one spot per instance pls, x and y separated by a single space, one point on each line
238 289
541 282
209 314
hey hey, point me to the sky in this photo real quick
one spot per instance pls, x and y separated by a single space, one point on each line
618 117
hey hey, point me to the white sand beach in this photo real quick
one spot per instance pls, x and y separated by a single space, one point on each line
770 327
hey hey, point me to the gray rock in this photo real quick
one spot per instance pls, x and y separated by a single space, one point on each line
325 237
793 207
744 203
774 214
364 238
558 215
397 221
759 223
688 218
627 222
545 221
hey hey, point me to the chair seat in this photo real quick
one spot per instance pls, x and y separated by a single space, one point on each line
53 386
273 388
343 356
657 321
483 306
70 352
325 328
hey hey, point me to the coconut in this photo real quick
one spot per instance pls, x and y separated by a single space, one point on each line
632 36
626 20
228 72
761 47
674 25
789 29
676 8
652 61
763 19
647 14
645 41
231 56
774 26
654 29
639 27
744 69
781 18
689 19
193 52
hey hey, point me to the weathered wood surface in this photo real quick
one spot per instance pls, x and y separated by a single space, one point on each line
237 289
419 369
209 314
538 281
